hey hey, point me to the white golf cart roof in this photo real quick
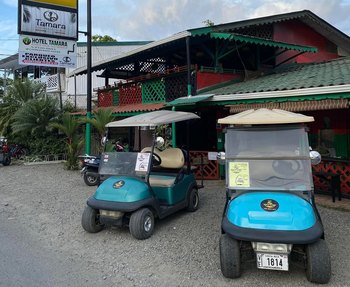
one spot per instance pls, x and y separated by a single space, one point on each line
265 116
153 119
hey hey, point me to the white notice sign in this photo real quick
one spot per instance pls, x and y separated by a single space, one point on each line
42 51
142 161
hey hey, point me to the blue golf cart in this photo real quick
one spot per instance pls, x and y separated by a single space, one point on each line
270 215
139 186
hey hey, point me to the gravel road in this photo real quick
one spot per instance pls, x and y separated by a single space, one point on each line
45 203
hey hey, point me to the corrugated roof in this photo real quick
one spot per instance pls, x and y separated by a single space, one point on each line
189 100
298 76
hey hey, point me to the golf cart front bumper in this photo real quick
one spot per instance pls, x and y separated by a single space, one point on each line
119 206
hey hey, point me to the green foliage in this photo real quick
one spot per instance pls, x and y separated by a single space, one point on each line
99 121
34 116
68 107
105 38
70 126
17 94
51 144
8 82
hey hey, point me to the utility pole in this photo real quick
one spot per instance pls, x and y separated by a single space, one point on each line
89 81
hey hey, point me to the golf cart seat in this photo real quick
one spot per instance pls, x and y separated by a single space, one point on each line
172 161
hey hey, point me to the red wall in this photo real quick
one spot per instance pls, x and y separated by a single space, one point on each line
296 32
206 79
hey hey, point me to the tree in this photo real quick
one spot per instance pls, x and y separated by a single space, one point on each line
70 126
17 94
34 117
208 23
100 118
105 38
4 82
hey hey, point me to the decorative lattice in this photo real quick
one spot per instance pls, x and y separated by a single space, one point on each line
130 94
175 87
209 168
341 168
263 31
105 98
115 98
156 65
153 91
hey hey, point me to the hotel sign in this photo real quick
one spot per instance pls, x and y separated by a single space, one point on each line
42 51
48 22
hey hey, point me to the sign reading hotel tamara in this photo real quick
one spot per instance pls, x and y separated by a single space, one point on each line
51 22
42 51
64 3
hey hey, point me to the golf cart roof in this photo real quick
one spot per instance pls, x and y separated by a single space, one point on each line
153 119
265 116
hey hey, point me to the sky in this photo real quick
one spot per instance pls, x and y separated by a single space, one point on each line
140 20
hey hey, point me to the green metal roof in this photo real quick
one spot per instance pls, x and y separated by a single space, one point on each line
264 42
297 76
189 100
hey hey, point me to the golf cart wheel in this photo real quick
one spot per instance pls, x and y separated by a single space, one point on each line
193 200
318 264
141 224
90 220
230 257
90 180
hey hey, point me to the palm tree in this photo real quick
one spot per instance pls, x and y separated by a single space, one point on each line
18 94
34 116
70 127
100 118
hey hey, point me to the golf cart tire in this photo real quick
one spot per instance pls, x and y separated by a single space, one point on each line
141 224
88 181
90 220
193 200
230 257
318 264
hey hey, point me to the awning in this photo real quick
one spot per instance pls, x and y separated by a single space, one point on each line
263 42
296 106
189 100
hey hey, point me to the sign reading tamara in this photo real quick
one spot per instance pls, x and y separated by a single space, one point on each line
50 22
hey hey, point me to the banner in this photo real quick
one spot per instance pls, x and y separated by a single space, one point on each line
50 22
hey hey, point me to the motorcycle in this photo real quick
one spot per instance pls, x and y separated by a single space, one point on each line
5 155
89 169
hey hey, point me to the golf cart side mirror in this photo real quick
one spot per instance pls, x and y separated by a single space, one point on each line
103 140
221 156
159 142
315 157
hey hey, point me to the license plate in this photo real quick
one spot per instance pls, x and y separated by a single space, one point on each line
272 261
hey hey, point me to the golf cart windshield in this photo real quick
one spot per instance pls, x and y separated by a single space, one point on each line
135 164
273 158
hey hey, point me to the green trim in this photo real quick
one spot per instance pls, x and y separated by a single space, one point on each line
263 42
128 114
279 100
200 31
189 100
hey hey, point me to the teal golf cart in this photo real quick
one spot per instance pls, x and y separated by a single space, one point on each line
270 215
139 186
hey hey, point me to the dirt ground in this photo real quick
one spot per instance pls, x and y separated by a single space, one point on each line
46 202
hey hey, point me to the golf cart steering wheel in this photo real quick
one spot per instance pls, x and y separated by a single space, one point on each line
286 167
156 160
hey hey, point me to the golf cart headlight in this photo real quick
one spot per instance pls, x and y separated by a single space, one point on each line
112 214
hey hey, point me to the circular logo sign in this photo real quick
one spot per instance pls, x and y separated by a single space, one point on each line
26 41
51 16
269 205
66 59
119 184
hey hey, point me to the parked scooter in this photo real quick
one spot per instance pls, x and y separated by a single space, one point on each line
5 155
89 169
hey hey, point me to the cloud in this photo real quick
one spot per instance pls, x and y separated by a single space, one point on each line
157 19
